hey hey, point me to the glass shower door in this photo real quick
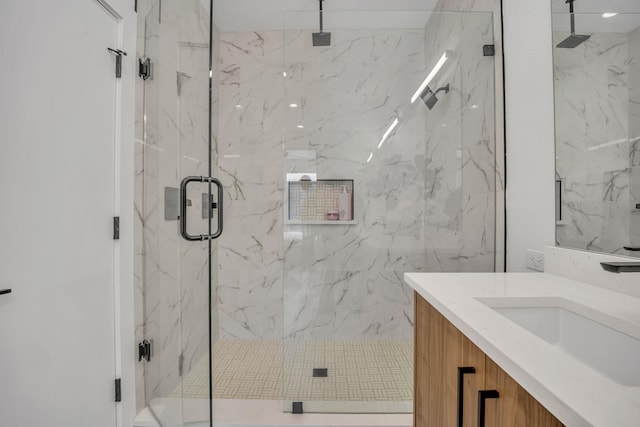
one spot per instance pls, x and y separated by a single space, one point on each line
176 271
398 114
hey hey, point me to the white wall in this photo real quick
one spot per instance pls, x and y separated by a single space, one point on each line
50 157
124 316
530 129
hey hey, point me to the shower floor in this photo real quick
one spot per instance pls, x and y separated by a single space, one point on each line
357 371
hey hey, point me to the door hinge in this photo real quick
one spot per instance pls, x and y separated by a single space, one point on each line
118 390
119 53
144 68
488 50
144 350
116 228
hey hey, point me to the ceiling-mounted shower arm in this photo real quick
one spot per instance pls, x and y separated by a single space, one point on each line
444 89
574 40
573 17
321 23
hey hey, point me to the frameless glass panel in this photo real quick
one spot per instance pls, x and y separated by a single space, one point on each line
460 196
176 272
391 122
597 99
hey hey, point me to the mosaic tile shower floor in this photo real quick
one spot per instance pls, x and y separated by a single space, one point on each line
357 371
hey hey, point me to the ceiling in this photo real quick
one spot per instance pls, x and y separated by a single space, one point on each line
265 15
595 23
597 6
589 17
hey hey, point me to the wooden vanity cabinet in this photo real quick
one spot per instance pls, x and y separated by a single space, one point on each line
444 359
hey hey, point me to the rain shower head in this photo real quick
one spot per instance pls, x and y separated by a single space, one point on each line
321 38
429 97
574 40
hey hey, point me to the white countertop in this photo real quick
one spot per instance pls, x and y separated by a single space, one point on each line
575 393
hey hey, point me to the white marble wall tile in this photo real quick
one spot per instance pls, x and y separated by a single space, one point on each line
250 321
215 141
596 225
461 153
317 306
347 95
368 288
594 141
309 311
634 137
380 322
466 5
634 218
477 92
174 273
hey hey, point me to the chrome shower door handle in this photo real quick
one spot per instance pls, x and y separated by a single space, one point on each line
216 205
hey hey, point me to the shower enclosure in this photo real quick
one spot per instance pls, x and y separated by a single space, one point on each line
300 299
403 114
174 275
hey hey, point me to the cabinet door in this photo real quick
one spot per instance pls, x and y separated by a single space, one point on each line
440 349
438 354
515 407
474 357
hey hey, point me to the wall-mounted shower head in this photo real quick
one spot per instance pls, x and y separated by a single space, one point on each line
574 40
429 97
321 38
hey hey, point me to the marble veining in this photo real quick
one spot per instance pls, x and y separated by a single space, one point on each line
425 200
335 103
596 140
172 142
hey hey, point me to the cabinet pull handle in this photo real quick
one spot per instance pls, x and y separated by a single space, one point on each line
482 396
462 370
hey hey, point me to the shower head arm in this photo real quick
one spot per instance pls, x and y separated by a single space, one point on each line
443 88
321 26
573 16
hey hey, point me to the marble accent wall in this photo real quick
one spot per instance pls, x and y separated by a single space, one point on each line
425 200
493 7
596 140
250 165
345 281
634 137
462 176
172 135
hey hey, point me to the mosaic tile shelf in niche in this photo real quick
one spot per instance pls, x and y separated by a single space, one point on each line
311 202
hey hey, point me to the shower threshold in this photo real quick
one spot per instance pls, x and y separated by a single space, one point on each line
258 413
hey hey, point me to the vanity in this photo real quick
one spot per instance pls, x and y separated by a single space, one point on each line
524 349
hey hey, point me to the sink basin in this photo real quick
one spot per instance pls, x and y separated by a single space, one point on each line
608 345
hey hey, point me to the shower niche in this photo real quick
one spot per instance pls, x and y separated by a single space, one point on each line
319 201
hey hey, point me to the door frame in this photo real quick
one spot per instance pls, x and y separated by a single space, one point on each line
123 316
